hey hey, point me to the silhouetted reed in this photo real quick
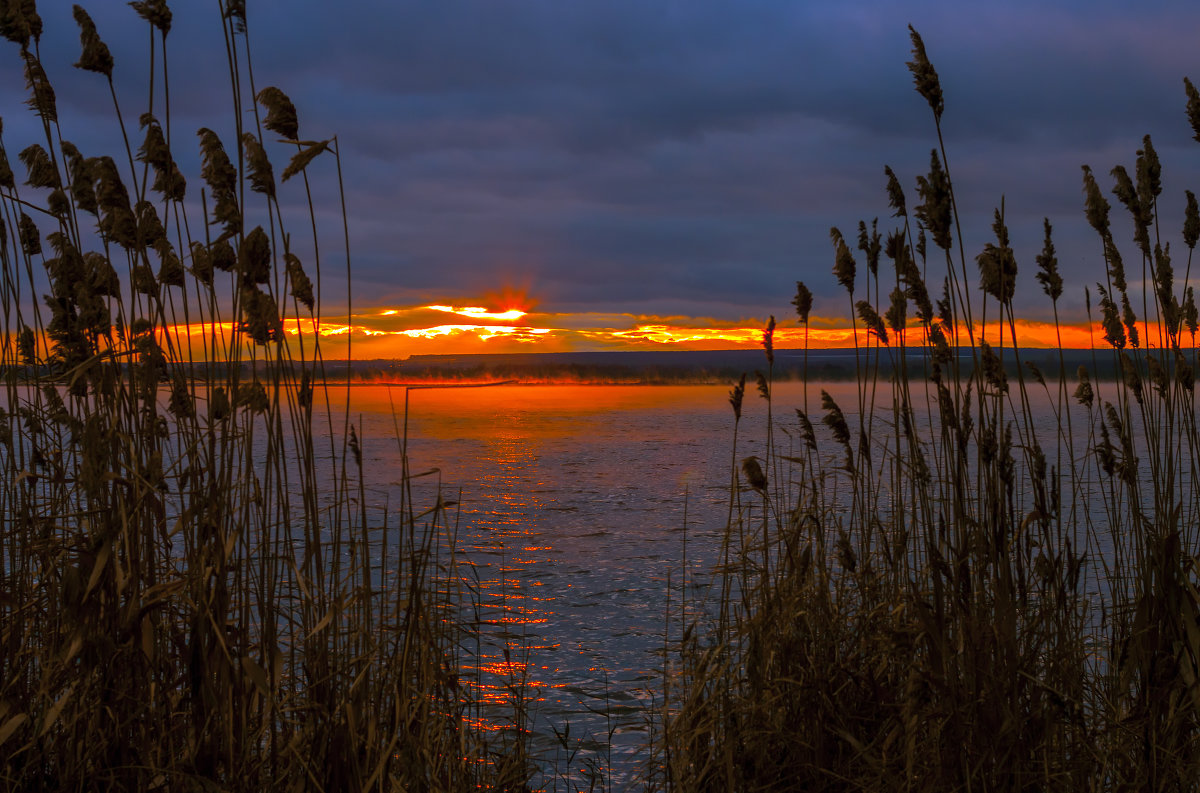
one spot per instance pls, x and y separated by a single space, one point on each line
194 592
953 596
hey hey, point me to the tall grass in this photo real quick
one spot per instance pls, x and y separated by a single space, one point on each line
194 590
938 591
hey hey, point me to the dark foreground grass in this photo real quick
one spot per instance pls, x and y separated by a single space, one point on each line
929 592
194 594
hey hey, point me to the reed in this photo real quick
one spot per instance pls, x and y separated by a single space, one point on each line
953 596
195 593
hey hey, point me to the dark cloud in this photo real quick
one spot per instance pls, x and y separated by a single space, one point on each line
618 154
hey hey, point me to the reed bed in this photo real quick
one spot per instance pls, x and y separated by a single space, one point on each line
194 591
928 589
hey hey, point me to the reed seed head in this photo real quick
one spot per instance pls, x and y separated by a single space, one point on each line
803 302
235 11
935 210
1095 206
736 395
1083 392
925 76
262 179
768 340
754 474
302 288
281 113
1114 333
895 192
1191 221
1193 107
42 94
835 419
19 22
155 12
42 172
31 240
764 388
301 159
1191 317
1047 276
1130 320
871 319
94 56
254 257
844 267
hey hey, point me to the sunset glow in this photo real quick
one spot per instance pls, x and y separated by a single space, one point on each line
399 332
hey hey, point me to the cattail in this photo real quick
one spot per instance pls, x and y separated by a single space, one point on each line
754 474
935 210
768 340
95 56
803 302
925 76
42 172
301 159
42 99
27 230
1191 221
302 288
870 318
281 113
895 192
1193 106
220 175
1095 206
1114 333
1083 391
1048 277
844 267
155 12
736 394
254 257
262 179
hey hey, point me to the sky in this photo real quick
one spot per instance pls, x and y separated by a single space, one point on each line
634 174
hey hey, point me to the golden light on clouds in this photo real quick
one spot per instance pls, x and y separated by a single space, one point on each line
401 331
